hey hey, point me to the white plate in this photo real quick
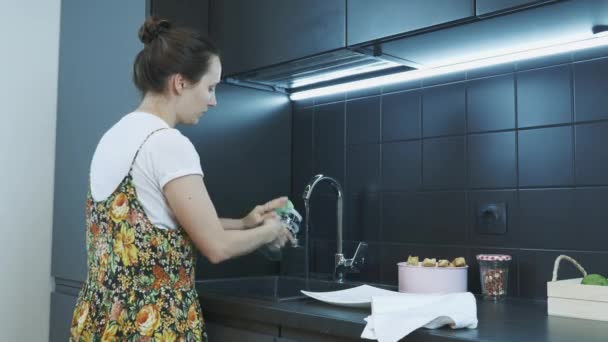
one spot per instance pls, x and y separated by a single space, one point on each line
358 297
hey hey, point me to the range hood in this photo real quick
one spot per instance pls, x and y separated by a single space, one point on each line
328 68
547 23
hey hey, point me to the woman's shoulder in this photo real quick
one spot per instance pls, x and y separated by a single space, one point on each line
169 140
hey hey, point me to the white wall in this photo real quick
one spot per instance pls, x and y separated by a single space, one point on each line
28 97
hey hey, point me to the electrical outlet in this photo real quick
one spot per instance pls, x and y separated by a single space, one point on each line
491 218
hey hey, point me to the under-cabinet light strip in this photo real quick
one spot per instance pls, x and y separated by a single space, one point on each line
597 40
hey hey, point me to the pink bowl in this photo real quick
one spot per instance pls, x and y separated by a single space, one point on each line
418 279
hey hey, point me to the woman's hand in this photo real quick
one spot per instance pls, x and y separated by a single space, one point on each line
282 234
263 212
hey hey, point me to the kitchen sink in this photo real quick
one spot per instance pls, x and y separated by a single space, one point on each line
273 288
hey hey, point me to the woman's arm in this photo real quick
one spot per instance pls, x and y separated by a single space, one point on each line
232 224
256 216
188 198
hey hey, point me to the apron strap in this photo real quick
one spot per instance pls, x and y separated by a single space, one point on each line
142 144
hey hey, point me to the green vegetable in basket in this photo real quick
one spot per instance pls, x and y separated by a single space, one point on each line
595 279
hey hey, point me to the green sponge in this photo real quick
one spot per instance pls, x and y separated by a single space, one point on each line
595 279
285 209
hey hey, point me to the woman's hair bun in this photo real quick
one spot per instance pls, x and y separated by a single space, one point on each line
152 29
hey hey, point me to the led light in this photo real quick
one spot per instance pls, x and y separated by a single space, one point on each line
600 39
300 82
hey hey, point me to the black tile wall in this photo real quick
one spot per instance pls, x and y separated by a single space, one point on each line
401 116
444 217
403 217
545 157
546 219
543 97
590 219
302 148
591 160
590 84
329 140
443 110
492 160
363 169
362 217
323 218
363 120
443 163
401 165
418 160
490 104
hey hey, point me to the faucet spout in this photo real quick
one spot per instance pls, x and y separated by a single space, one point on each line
308 190
341 264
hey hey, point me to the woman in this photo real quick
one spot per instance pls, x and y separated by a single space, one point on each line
148 209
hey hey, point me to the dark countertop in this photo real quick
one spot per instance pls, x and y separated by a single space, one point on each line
507 321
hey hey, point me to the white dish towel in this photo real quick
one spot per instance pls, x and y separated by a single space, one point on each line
396 316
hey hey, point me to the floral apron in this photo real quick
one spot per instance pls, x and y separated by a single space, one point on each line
140 283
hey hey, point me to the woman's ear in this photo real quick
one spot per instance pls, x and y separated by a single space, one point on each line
177 84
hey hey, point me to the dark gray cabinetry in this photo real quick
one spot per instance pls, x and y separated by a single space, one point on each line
228 329
95 90
62 307
255 34
219 332
189 13
369 20
98 41
494 34
484 7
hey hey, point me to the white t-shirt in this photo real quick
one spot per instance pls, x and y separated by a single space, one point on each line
165 156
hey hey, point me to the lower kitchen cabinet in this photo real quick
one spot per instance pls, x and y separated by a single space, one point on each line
289 334
219 332
62 307
236 330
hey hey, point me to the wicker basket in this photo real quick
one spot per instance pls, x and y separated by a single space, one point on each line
569 298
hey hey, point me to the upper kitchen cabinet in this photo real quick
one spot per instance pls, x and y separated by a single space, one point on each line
369 20
485 7
557 21
255 34
189 13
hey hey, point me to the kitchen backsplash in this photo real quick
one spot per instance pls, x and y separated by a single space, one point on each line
418 160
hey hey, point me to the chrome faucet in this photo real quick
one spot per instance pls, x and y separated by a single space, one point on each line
342 265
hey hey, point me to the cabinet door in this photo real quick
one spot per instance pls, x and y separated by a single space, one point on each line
254 34
292 335
218 332
62 307
189 13
484 7
94 91
369 20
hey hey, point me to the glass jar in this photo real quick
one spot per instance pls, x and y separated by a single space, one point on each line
494 275
291 219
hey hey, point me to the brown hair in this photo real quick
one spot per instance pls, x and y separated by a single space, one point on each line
167 51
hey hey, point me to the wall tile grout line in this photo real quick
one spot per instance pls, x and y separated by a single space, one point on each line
573 127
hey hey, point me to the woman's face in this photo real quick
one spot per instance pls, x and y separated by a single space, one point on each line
196 98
